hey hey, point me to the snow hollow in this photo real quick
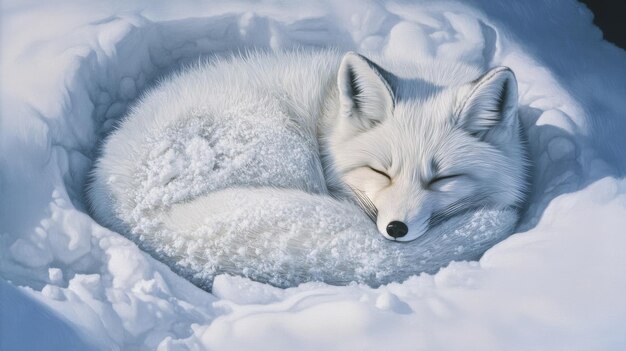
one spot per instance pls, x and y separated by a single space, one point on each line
71 69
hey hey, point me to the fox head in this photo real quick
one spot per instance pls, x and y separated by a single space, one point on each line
416 152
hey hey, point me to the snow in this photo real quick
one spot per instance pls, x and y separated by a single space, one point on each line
70 69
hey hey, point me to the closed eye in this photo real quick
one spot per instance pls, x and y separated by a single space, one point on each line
379 172
442 178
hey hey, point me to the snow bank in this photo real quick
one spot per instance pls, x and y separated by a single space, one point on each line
70 69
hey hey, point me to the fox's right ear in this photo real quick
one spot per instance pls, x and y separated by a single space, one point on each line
364 95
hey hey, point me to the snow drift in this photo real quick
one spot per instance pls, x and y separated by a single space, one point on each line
71 69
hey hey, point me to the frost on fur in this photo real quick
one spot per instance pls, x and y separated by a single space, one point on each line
288 167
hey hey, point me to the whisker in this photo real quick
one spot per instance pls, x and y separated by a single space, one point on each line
365 203
463 205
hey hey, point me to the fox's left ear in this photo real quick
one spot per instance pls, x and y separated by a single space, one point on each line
364 94
491 102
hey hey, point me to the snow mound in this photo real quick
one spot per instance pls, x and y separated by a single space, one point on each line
65 84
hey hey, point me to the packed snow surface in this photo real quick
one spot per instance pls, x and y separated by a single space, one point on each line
71 69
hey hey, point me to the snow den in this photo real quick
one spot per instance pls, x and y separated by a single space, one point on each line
555 284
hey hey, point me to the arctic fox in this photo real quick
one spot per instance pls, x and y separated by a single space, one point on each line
414 144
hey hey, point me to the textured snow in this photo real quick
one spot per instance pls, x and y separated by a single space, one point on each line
71 69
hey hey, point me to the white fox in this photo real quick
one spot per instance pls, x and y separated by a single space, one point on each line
415 145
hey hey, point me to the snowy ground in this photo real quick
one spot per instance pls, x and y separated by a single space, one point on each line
69 70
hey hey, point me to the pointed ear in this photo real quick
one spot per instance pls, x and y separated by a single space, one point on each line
364 95
492 101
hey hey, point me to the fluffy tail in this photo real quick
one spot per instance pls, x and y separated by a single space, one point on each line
287 237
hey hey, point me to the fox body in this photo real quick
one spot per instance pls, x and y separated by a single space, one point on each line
414 145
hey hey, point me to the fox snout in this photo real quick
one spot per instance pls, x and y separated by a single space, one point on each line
401 229
397 229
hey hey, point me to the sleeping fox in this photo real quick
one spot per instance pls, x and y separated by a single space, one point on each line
412 144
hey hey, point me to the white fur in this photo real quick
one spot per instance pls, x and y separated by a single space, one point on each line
283 132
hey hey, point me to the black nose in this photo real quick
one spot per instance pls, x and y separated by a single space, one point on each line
397 229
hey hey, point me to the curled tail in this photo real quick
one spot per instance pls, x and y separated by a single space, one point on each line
286 237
